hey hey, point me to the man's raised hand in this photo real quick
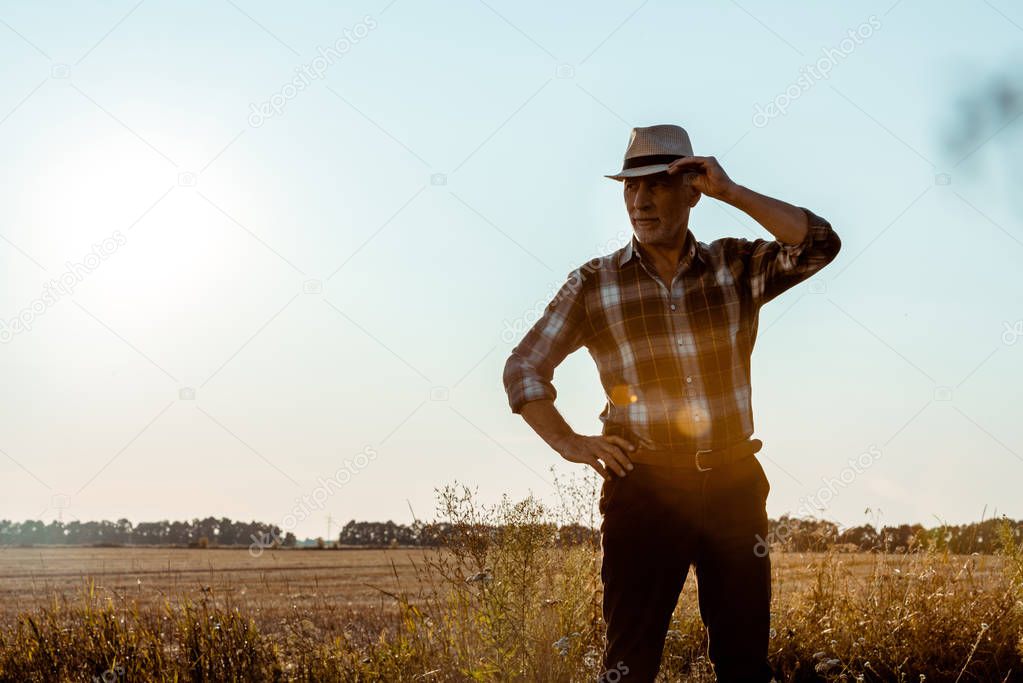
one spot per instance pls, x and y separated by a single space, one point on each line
602 453
705 175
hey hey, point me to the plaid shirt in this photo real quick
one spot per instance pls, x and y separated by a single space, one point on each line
675 365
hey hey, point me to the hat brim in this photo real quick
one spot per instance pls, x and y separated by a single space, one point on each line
638 171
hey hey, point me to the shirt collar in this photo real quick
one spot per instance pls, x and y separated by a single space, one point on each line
690 251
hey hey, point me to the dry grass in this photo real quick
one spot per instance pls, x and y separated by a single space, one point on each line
510 605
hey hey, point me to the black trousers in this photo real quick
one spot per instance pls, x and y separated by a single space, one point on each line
657 521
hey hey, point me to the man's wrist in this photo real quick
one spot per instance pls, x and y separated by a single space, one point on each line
733 195
558 441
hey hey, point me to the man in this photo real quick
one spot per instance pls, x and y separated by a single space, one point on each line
671 323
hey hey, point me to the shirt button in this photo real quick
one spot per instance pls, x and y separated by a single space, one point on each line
689 380
673 307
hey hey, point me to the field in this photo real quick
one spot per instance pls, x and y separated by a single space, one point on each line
310 582
390 614
512 595
316 584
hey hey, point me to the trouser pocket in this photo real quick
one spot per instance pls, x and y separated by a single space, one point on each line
607 493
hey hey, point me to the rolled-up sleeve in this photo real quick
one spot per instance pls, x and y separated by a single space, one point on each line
774 266
561 329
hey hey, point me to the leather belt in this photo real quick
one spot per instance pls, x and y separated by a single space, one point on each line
702 460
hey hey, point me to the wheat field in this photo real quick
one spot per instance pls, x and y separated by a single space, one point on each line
511 604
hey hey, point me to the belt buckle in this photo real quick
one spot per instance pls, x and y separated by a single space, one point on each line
699 467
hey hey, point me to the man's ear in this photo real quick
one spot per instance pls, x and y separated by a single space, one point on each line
695 197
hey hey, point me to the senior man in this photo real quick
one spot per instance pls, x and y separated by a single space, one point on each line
671 322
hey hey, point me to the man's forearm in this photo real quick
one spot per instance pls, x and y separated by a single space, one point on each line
788 223
546 421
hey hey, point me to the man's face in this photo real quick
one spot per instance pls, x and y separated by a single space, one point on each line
658 207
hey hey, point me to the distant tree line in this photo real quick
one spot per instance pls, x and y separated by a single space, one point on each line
438 533
784 533
196 533
981 537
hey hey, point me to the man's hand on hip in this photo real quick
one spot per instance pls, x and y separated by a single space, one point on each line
610 450
595 450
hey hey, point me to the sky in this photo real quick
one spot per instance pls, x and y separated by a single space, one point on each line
268 263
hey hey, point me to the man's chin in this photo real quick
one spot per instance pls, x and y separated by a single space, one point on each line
651 233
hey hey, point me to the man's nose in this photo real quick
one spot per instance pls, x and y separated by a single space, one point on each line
641 198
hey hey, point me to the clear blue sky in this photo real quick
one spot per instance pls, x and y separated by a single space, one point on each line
439 178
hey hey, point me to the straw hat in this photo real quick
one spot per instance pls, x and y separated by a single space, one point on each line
652 148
